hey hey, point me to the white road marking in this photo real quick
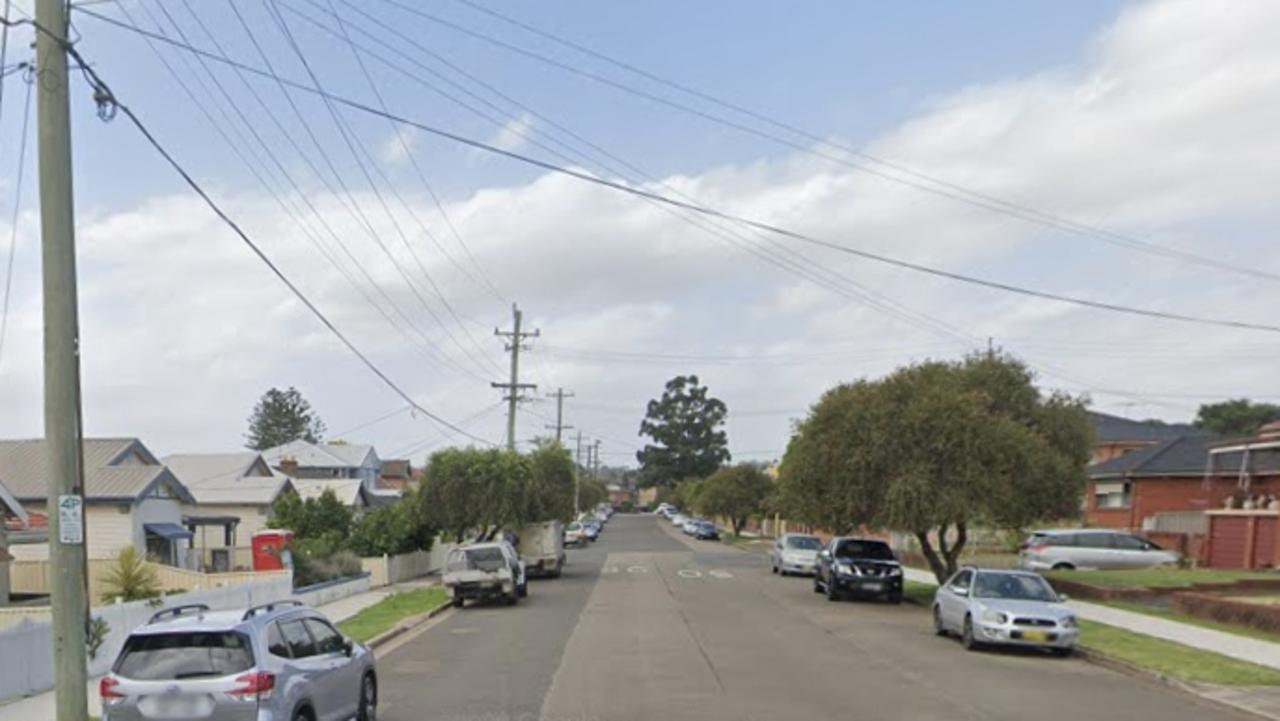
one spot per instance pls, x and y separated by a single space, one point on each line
688 573
717 573
637 569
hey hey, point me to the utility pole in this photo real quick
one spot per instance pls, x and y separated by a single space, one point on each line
68 589
595 471
577 475
514 386
560 427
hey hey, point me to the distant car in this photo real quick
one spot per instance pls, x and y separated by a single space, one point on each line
276 661
574 534
859 567
481 571
1016 608
706 531
689 526
795 553
1090 548
678 519
592 530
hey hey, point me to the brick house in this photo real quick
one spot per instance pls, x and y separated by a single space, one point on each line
1115 436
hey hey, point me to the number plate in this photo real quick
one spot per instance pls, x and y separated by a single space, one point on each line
1036 636
176 706
872 586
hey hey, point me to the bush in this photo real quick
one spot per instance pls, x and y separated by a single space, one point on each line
130 578
309 569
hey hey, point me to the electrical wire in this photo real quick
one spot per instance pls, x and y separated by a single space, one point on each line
17 207
109 106
372 422
930 184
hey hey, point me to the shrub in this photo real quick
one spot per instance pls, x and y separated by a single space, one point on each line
130 578
310 569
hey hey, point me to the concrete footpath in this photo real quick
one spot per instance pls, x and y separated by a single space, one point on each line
1262 653
40 707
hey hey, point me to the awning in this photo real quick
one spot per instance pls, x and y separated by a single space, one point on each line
171 531
1114 487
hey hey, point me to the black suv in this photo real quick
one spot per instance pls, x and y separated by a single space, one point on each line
858 566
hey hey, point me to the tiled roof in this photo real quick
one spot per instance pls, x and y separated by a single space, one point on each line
1114 429
222 478
1188 454
114 468
319 455
350 491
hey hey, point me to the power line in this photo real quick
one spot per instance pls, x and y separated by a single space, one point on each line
17 207
947 189
109 104
371 422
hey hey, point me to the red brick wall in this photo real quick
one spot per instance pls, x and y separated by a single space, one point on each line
1150 496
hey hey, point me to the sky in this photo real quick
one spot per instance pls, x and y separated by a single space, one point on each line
1154 124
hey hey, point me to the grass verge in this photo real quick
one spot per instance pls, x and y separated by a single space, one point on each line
921 594
1173 659
391 610
1193 621
1149 577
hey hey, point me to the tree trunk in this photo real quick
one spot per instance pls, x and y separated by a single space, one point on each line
936 563
737 525
953 553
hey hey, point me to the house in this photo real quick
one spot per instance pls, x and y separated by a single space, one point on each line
350 492
1184 476
10 509
396 474
326 461
131 499
1115 436
233 496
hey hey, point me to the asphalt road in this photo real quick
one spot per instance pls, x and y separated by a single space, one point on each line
647 624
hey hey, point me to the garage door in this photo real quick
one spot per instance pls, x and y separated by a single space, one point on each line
1227 541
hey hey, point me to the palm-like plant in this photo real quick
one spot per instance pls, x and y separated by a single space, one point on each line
130 578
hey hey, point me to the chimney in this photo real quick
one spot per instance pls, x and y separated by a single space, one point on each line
289 466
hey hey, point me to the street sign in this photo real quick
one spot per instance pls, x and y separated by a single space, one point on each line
71 519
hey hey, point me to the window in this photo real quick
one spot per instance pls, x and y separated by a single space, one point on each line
1062 539
1095 540
1111 495
1013 586
299 639
275 642
164 656
1128 543
961 580
327 639
875 550
803 543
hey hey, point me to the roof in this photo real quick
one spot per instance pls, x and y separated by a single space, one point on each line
1185 455
1114 429
378 498
350 491
114 469
320 455
227 478
396 468
9 506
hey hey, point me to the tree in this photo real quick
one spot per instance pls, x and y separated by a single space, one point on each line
315 518
129 578
683 424
282 417
1238 417
476 490
551 482
737 493
401 527
933 449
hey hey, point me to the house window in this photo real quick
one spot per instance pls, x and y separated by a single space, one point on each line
1111 495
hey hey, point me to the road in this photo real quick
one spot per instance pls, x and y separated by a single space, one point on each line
647 624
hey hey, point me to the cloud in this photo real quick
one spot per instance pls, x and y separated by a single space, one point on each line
184 328
400 144
514 134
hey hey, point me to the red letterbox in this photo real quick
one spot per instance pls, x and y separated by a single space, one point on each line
269 549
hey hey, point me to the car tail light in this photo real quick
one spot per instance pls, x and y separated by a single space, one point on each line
107 689
1037 548
257 685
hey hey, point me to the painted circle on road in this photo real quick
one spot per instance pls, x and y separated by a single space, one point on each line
637 569
688 573
717 573
609 569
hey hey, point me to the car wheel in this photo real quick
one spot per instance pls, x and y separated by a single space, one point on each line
301 715
368 699
938 627
817 585
970 643
773 567
832 593
894 597
458 601
1063 567
523 590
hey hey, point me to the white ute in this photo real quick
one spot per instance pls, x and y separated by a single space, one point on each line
484 571
542 548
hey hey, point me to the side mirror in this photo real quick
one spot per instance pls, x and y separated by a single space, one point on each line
824 554
348 647
1062 597
960 590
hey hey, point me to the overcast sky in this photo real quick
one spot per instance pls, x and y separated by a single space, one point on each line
1157 121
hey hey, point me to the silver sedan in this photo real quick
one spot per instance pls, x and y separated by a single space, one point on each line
795 553
1012 608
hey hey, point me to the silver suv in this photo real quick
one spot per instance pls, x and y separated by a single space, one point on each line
1090 548
281 661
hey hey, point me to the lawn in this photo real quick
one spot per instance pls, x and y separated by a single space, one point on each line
1173 659
918 593
385 614
1147 577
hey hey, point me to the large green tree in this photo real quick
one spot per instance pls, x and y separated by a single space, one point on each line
477 492
737 493
282 417
551 481
1237 417
685 427
402 527
936 448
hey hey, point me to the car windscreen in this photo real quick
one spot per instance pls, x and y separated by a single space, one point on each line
864 550
172 656
803 543
1013 586
486 559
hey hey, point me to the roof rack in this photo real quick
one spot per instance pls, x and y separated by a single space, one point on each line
178 611
269 607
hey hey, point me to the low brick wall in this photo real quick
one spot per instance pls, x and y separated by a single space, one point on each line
1090 592
1264 617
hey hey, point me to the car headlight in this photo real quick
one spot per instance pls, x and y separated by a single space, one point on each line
993 616
845 568
1069 622
895 571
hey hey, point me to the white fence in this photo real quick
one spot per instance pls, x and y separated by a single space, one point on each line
26 650
387 570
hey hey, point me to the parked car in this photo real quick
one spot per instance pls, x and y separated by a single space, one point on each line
574 534
592 530
1016 608
706 531
541 547
690 525
482 571
281 660
795 553
678 519
860 567
1090 548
